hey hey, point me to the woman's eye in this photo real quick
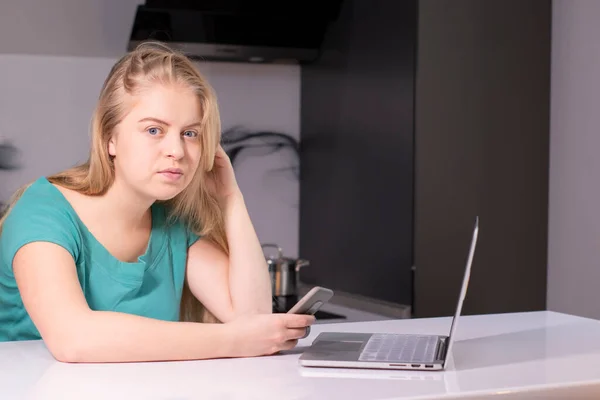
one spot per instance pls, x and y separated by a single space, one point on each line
190 134
153 131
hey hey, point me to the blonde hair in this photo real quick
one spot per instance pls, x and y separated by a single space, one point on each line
151 63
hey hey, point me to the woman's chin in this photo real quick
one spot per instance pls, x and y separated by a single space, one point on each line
166 193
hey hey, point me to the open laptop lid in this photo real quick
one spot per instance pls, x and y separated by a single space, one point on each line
463 291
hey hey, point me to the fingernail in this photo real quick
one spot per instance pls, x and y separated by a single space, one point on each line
307 332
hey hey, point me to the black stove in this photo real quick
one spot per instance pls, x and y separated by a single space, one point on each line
282 304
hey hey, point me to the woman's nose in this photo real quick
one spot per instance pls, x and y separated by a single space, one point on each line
174 146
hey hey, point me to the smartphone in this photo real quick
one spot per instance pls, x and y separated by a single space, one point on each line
312 301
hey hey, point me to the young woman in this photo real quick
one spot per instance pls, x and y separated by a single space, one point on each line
130 255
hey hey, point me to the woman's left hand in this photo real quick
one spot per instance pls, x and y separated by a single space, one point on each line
221 179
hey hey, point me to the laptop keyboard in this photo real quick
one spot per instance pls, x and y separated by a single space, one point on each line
399 348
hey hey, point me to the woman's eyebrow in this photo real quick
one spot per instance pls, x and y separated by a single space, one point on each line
160 121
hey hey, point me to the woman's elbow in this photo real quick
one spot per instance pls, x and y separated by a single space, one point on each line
69 347
67 351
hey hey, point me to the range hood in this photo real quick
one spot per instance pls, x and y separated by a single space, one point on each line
258 31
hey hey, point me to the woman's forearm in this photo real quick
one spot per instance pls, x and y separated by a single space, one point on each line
104 336
249 280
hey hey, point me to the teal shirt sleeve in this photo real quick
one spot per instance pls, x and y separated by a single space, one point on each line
191 237
37 219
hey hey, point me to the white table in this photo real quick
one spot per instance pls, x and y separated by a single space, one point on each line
523 355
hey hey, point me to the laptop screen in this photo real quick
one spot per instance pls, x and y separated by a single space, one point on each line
463 290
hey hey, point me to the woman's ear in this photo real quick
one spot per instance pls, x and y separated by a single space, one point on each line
111 147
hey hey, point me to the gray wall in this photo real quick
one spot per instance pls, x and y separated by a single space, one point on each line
95 28
574 212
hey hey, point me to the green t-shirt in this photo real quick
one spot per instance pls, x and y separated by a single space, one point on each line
150 287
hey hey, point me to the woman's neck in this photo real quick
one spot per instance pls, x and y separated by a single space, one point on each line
125 207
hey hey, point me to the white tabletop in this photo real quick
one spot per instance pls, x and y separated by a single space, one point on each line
512 354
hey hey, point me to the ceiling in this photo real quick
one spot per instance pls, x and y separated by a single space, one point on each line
88 28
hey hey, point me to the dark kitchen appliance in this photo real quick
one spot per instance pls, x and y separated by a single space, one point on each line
255 31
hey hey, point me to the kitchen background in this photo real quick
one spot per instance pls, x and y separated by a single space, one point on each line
50 78
54 55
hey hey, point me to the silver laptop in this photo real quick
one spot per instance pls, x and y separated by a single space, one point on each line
388 350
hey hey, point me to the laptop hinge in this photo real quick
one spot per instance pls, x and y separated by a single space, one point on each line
441 350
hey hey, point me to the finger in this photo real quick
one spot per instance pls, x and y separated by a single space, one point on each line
297 333
221 152
298 321
288 345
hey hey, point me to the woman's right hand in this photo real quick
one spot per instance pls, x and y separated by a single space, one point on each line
266 334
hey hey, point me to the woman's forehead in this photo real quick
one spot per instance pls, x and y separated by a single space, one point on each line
169 104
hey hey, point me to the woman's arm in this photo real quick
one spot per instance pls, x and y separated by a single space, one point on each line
47 280
48 284
249 277
236 285
230 287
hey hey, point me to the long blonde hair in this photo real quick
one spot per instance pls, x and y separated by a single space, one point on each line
149 63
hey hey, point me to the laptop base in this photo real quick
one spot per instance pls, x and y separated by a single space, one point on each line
376 351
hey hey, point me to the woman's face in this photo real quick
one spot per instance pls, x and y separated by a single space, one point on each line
156 147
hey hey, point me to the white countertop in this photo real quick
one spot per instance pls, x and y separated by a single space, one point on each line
511 354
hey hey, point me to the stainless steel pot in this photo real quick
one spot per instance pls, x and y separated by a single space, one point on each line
284 272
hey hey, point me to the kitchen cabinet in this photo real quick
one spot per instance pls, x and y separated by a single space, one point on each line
418 117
